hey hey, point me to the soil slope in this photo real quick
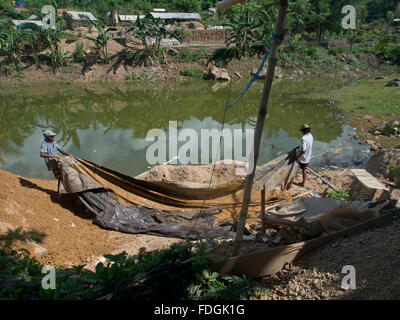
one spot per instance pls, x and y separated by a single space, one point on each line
59 225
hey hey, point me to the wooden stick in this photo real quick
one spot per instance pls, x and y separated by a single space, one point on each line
58 187
323 180
263 224
262 111
228 3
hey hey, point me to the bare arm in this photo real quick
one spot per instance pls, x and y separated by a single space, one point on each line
47 156
64 152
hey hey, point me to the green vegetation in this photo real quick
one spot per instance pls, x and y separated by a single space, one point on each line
310 25
340 194
193 72
390 129
21 276
394 171
102 39
191 55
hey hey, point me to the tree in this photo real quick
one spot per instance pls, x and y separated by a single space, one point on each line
298 16
244 31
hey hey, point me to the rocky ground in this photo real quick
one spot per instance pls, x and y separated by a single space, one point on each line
375 255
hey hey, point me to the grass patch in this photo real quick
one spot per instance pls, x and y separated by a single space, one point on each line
369 96
191 55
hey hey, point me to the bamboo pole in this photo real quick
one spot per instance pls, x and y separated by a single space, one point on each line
323 180
228 3
262 111
263 224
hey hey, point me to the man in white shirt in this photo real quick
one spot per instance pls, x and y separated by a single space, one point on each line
305 150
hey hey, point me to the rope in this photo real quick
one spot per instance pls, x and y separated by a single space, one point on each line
228 105
242 92
215 163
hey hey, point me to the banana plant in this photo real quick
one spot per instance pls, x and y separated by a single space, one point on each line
244 32
102 39
10 47
50 39
150 27
141 31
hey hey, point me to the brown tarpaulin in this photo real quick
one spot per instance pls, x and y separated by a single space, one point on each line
183 209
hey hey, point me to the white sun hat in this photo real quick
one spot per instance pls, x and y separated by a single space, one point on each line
48 133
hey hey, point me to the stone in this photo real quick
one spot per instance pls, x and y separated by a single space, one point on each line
40 251
285 236
238 75
262 75
367 188
393 83
219 74
395 195
380 78
373 145
172 52
379 164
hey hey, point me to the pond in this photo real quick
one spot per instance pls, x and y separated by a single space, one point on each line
108 122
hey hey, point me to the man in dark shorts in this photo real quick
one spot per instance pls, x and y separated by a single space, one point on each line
305 150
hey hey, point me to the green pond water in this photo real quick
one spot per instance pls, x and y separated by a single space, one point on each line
108 123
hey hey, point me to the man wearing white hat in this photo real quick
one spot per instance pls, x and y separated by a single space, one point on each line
305 150
49 151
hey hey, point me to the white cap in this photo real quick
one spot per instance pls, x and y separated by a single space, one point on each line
48 133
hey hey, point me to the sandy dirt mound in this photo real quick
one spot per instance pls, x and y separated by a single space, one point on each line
197 175
223 173
59 229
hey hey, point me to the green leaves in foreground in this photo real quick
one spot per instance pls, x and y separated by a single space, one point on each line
340 194
77 283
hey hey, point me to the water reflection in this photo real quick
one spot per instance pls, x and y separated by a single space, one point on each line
109 123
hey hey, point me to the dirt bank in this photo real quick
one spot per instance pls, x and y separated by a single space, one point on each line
171 66
59 225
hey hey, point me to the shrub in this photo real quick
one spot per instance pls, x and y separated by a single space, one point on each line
390 129
394 171
193 72
187 55
78 53
222 56
337 51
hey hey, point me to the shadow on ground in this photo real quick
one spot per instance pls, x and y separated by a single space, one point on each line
69 202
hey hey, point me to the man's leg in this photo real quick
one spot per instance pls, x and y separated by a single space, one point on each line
303 167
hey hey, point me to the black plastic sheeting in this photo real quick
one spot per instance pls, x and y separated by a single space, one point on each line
139 219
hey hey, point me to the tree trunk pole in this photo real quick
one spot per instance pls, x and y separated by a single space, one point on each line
263 224
262 111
